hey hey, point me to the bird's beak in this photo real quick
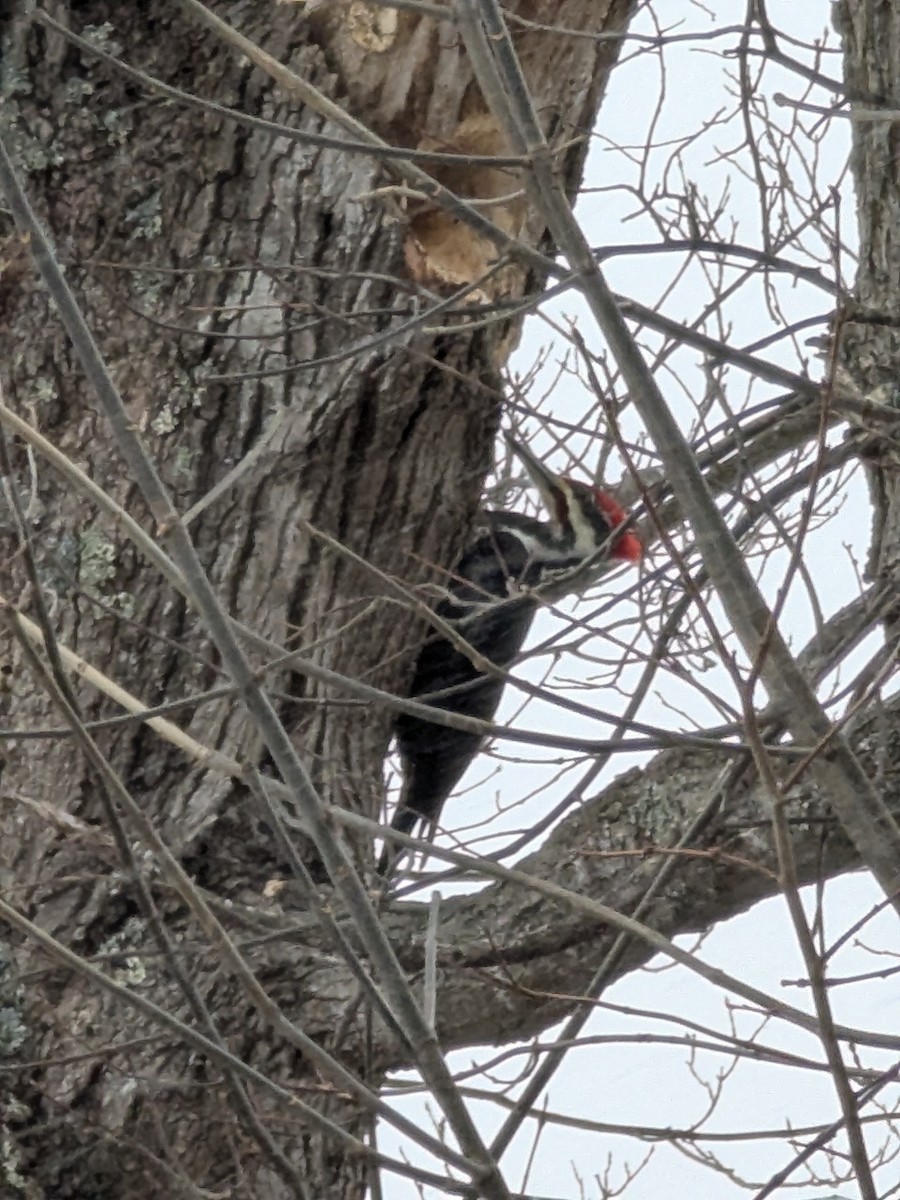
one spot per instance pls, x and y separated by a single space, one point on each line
549 485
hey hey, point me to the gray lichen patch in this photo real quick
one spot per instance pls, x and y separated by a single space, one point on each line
97 558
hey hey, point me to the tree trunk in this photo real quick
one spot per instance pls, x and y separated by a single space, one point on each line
200 249
225 274
870 337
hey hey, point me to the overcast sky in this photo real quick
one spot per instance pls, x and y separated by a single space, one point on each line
653 1085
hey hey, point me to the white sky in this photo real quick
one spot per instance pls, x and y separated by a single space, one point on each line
653 1085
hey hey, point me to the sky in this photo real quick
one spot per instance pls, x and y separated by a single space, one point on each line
654 1085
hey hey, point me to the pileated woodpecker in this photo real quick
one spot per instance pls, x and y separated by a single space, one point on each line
488 602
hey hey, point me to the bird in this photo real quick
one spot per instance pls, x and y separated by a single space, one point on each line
489 603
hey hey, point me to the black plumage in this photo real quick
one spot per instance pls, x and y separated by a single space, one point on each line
488 603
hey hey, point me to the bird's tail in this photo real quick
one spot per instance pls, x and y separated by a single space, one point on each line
403 820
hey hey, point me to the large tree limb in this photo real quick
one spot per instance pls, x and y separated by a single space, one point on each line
513 959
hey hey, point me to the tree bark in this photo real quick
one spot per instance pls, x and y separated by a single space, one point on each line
869 332
268 255
203 254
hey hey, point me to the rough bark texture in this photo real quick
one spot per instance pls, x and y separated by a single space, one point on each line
870 341
167 217
276 245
